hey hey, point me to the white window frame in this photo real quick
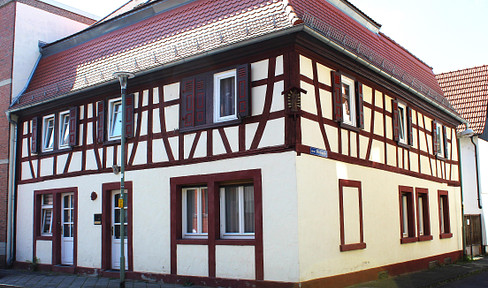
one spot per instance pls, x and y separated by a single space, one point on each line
63 128
45 208
405 213
48 146
217 78
111 106
402 123
198 234
352 101
241 234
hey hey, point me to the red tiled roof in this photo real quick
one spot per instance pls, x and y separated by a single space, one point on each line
467 90
204 25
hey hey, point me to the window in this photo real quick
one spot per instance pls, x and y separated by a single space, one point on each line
402 129
444 222
402 123
225 96
237 211
347 100
64 129
115 119
407 216
423 219
195 212
214 98
439 140
46 214
351 215
48 133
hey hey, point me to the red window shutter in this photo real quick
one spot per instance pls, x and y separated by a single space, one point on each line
359 105
396 119
187 102
444 139
337 95
409 126
73 126
200 100
101 122
34 135
243 91
434 137
129 116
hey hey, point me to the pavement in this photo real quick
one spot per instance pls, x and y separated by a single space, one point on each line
443 276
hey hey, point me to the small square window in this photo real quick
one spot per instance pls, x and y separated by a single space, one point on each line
115 119
195 212
237 211
46 214
225 100
348 101
48 133
64 129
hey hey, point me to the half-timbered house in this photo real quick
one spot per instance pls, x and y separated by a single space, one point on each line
271 143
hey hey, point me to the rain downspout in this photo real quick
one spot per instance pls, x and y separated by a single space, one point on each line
11 188
477 171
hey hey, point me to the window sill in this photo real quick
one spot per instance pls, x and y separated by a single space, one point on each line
211 125
349 127
403 145
192 241
425 238
239 242
408 240
445 235
44 237
350 247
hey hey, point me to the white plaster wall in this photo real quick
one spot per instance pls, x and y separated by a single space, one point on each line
235 262
25 224
44 251
318 204
483 166
193 260
31 25
151 210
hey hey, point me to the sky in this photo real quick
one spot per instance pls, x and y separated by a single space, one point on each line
447 35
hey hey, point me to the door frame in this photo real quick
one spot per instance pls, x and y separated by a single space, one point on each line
107 189
55 238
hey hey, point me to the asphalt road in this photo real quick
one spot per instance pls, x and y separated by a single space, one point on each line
474 281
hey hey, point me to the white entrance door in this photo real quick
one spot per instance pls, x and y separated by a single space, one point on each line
67 224
116 231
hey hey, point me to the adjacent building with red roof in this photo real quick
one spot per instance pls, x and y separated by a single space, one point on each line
270 143
467 90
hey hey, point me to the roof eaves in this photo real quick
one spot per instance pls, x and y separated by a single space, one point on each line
279 33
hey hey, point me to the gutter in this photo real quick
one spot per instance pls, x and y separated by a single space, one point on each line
381 72
12 191
26 84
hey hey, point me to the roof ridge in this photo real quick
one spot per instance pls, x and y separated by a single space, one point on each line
464 69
